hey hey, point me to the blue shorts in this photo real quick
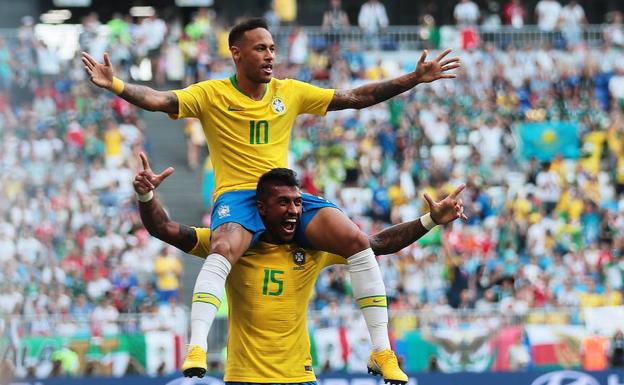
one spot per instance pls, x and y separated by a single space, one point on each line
240 207
272 383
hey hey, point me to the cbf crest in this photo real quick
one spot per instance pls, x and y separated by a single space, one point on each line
277 105
223 211
299 257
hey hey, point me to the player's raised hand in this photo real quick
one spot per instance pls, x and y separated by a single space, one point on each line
438 68
100 74
448 209
145 180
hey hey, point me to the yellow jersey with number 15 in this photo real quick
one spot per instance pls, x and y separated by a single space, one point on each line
247 137
268 291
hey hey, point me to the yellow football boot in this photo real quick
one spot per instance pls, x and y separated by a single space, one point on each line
385 363
195 362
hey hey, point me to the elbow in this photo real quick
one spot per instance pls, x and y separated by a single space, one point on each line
159 232
375 245
154 231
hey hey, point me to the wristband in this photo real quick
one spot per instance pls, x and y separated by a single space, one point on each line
117 86
145 197
427 222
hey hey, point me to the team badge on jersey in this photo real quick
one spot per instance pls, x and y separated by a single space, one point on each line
299 257
223 211
277 105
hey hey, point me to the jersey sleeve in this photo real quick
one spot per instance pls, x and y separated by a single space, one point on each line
191 100
202 247
312 100
332 259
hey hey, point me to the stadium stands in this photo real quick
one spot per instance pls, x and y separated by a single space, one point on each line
533 126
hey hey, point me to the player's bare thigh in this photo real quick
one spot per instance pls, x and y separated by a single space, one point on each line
332 231
230 240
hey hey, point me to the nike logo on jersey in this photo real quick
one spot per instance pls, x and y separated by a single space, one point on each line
377 300
230 108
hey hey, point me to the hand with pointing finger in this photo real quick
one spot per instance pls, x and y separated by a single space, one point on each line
145 180
448 209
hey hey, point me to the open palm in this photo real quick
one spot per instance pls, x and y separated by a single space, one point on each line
100 74
429 71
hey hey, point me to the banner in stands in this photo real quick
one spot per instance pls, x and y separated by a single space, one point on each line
562 377
151 353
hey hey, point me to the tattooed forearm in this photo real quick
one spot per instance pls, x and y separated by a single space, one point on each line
158 224
370 94
136 94
150 99
396 237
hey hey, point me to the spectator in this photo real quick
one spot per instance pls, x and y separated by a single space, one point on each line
286 11
104 318
174 317
547 13
514 14
335 19
571 21
373 19
616 350
594 351
466 13
195 141
168 269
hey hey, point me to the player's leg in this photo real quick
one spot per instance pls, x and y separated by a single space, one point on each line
233 233
332 231
327 228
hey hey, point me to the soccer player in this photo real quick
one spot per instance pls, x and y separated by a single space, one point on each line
247 120
268 340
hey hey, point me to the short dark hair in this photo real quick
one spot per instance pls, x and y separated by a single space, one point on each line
239 29
277 176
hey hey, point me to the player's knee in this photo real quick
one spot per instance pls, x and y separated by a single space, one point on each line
224 248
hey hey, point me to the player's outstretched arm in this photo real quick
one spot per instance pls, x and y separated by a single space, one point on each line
370 94
101 74
153 215
399 236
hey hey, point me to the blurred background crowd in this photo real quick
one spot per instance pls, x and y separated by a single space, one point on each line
545 229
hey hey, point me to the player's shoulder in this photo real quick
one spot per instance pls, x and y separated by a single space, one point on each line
324 258
212 83
286 82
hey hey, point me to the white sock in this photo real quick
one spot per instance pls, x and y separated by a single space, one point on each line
207 296
370 293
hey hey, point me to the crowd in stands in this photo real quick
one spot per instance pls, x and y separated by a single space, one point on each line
73 253
540 234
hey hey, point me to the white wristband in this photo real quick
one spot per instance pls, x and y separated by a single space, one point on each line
427 222
145 197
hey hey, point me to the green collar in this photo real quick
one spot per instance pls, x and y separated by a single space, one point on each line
235 84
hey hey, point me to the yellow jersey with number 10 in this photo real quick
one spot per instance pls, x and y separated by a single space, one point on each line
268 291
247 137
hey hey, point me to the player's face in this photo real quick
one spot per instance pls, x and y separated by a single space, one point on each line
256 55
281 213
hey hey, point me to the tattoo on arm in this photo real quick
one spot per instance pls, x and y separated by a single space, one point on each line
150 99
396 237
158 224
370 94
135 94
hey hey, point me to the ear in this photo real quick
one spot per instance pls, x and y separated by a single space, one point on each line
235 53
261 208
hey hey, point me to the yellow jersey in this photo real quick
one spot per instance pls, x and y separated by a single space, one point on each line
247 137
268 292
